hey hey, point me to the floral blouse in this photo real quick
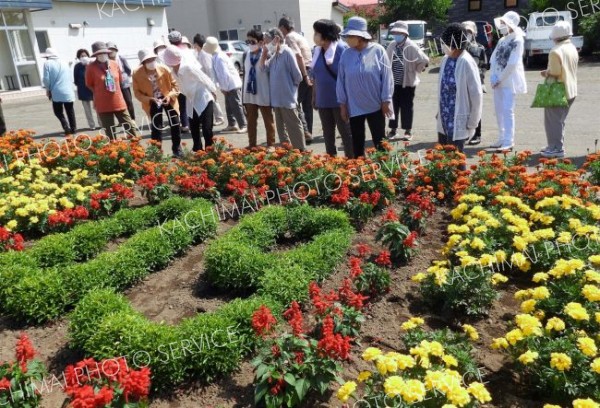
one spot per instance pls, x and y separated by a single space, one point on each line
448 96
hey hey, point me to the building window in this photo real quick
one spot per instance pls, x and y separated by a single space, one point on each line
511 3
42 40
475 5
257 27
228 35
233 34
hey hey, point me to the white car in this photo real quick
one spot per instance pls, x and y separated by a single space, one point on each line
235 50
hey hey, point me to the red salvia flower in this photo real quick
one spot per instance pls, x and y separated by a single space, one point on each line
294 316
263 321
24 349
390 216
363 250
384 259
333 345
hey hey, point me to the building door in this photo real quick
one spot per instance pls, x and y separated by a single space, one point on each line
15 33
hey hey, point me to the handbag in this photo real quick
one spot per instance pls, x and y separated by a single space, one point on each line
550 95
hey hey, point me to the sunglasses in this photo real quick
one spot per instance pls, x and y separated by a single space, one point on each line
251 42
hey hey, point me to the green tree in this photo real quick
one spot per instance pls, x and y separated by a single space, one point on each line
435 12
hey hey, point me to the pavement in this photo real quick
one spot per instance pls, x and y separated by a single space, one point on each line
582 134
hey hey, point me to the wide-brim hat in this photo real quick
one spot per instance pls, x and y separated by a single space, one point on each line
470 26
111 46
159 43
50 53
185 40
357 26
145 55
211 45
172 55
511 19
562 29
399 27
99 47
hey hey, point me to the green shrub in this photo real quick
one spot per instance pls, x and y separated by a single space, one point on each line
126 267
54 250
175 207
91 311
90 239
286 282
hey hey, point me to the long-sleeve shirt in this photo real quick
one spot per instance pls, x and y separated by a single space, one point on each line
195 85
284 78
83 92
205 60
365 79
562 63
506 64
57 79
226 76
263 89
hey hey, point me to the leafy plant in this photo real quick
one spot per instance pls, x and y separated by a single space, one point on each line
399 239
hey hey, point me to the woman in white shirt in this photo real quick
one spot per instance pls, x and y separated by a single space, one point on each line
199 91
508 77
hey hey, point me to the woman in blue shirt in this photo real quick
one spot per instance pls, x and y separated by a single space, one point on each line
365 85
84 94
327 54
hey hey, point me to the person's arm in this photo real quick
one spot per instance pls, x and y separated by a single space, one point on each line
88 78
422 60
137 91
554 69
387 79
46 79
203 79
220 71
475 94
514 60
174 93
295 70
340 89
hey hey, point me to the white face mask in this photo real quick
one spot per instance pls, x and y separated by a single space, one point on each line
503 30
469 37
271 47
253 47
151 65
113 55
102 58
84 60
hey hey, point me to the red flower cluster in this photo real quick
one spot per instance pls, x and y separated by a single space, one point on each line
423 202
409 241
68 216
331 344
372 198
363 250
342 196
24 351
150 181
196 184
320 302
384 259
117 192
294 317
4 384
263 321
92 384
355 267
10 240
349 298
278 387
390 216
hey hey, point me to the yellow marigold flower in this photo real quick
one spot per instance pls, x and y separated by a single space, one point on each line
436 349
528 357
22 212
499 343
479 391
458 396
34 220
546 233
371 354
585 403
500 256
480 229
412 323
386 365
522 294
521 261
560 361
346 390
540 293
449 406
591 293
595 365
492 223
595 260
576 311
519 243
477 243
564 267
413 391
425 362
471 332
551 406
529 325
498 278
592 276
364 376
554 323
597 317
540 277
487 259
404 361
528 306
11 225
468 260
564 237
587 346
393 386
418 277
450 361
514 336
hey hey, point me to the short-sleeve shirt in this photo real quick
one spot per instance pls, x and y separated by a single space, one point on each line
299 45
448 97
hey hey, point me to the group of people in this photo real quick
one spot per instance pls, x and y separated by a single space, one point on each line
349 79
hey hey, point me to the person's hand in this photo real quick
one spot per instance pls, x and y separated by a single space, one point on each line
344 112
544 73
309 81
166 101
157 101
386 107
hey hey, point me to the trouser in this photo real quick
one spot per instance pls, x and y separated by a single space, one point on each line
554 123
234 109
183 115
128 101
204 121
289 127
89 114
330 118
267 115
107 121
478 130
376 121
218 112
68 124
460 145
403 104
2 123
305 108
156 124
504 101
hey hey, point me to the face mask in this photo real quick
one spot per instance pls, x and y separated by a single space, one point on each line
84 60
271 47
102 58
253 47
151 65
317 39
113 55
399 38
469 37
503 30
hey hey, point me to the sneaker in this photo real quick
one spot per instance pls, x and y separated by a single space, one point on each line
475 140
392 134
178 154
218 122
407 136
505 148
185 129
308 138
546 149
553 154
243 130
231 129
497 144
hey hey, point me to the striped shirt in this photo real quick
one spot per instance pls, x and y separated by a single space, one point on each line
398 65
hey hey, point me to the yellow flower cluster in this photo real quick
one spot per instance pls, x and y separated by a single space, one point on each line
412 323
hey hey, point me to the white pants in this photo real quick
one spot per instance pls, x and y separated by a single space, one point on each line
87 107
504 101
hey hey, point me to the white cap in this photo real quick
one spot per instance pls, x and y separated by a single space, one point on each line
50 53
562 29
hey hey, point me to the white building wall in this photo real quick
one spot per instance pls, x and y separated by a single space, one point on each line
192 16
127 28
311 11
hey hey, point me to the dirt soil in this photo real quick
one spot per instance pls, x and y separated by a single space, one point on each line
181 291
